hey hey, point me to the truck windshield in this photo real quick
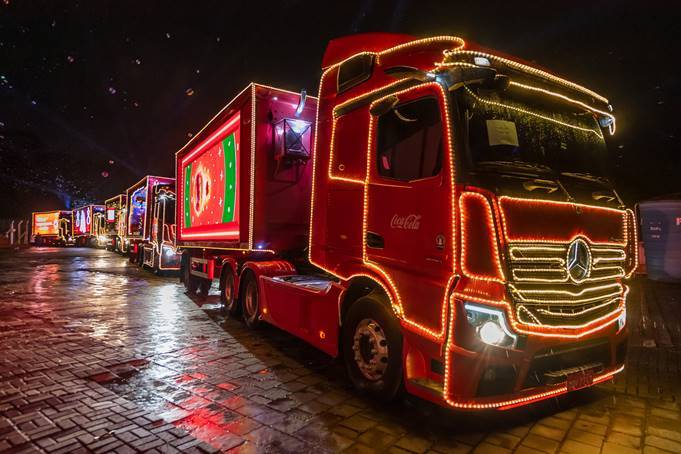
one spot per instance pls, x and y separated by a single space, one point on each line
530 131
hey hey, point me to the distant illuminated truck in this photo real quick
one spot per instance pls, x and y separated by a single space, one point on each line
452 232
51 228
87 224
114 223
150 223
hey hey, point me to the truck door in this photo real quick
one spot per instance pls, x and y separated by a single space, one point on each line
408 213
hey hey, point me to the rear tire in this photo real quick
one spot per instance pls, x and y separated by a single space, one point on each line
230 304
191 283
372 347
250 301
204 287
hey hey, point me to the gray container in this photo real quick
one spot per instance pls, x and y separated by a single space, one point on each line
661 233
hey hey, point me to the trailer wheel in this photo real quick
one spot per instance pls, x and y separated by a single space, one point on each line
250 301
204 287
230 304
191 283
372 347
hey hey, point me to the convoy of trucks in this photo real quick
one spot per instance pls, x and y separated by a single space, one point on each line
438 217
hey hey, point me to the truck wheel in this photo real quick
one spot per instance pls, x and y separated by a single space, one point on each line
191 283
204 287
372 347
250 302
230 305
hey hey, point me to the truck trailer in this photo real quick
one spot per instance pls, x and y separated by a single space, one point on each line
150 223
438 217
114 227
87 223
52 228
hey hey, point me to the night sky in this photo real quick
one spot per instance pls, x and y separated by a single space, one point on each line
96 94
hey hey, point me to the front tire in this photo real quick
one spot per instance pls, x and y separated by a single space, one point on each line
372 347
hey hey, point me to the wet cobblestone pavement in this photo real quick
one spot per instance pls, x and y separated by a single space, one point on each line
96 355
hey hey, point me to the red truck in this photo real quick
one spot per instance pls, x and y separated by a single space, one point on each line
438 217
52 228
87 223
113 223
150 224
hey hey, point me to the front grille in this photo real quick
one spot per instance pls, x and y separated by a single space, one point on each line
544 294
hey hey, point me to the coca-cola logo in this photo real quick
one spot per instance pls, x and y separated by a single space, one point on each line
409 222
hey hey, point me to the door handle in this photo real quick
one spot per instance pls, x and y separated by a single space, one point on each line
375 241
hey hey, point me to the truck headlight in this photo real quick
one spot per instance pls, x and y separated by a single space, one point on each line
102 238
490 325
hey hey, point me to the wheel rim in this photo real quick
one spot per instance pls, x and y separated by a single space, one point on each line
251 301
370 346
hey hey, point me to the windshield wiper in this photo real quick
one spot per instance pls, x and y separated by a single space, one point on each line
516 164
586 176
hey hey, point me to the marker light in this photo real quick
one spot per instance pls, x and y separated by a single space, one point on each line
622 321
490 325
481 61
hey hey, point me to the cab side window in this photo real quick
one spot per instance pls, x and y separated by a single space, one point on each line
409 141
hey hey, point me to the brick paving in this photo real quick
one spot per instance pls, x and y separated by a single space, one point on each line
98 356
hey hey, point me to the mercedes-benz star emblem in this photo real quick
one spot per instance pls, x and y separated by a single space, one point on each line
578 262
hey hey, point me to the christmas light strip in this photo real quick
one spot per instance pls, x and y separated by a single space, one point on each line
514 272
524 68
493 239
458 42
520 293
611 127
633 243
597 132
522 308
251 208
565 242
572 314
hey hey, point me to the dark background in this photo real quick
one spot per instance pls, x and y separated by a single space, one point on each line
96 94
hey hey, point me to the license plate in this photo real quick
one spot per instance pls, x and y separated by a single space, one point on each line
581 379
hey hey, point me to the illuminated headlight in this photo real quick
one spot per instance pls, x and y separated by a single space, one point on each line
490 325
169 252
622 320
102 238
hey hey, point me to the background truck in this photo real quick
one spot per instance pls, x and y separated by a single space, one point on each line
114 223
452 232
51 228
87 222
150 223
